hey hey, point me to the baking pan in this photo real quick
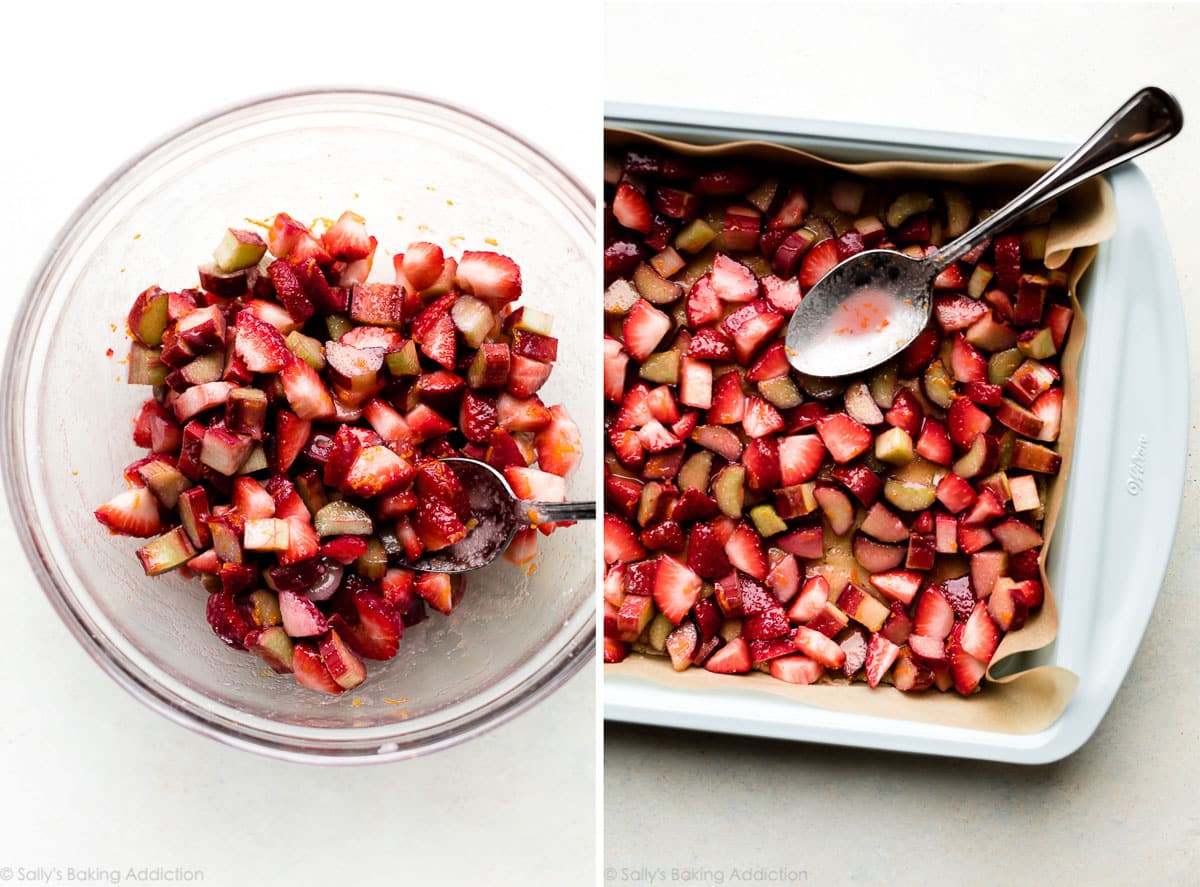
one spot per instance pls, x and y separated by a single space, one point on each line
1124 487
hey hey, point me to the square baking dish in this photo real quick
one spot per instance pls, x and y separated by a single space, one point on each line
1124 488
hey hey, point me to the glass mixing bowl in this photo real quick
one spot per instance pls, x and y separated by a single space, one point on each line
417 170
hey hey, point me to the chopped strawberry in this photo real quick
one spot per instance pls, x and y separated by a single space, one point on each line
733 658
643 328
820 259
621 543
631 209
559 445
259 344
526 376
134 512
305 391
489 276
745 551
732 281
845 438
800 457
676 588
881 654
310 670
934 617
347 239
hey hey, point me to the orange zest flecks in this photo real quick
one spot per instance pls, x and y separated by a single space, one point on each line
491 241
456 239
865 313
357 702
137 237
423 228
74 474
113 326
265 223
122 270
399 218
430 188
356 195
449 202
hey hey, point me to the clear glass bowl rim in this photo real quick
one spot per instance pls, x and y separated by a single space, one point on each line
19 493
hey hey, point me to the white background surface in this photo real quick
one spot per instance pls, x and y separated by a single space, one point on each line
1124 809
88 776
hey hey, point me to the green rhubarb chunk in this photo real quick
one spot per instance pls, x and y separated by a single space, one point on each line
167 552
373 562
238 250
694 236
306 348
338 325
343 519
404 362
661 368
767 520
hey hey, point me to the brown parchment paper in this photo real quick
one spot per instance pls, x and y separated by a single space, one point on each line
1024 701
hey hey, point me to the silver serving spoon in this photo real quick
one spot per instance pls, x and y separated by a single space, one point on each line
838 328
500 514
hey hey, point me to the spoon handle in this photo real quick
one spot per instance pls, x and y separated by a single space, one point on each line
545 512
1150 118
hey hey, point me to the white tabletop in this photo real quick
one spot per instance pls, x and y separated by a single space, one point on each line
90 777
1122 810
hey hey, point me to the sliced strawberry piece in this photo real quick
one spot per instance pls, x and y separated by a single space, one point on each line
347 239
631 208
761 418
732 281
979 635
703 305
441 591
439 343
134 512
751 327
818 261
311 671
290 292
845 438
526 376
733 658
934 617
966 421
291 436
898 585
955 312
676 588
489 276
796 669
376 471
621 543
966 670
643 328
820 648
728 400
800 457
934 443
559 445
881 654
259 345
305 391
783 295
615 363
745 551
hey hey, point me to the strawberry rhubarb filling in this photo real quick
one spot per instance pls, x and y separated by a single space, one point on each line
886 528
298 419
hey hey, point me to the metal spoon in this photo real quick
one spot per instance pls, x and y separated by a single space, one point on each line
839 327
500 515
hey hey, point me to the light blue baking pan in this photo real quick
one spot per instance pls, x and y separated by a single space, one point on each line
1124 490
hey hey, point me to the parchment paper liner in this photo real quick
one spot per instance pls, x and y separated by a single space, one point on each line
1019 703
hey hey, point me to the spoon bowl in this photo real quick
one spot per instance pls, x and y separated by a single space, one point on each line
862 313
499 516
871 306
